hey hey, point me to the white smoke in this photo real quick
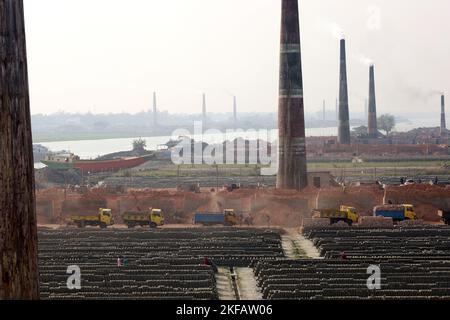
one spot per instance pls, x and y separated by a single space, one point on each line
337 31
229 93
437 92
363 59
331 27
419 93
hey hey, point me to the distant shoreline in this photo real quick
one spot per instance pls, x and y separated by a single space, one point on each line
45 138
62 137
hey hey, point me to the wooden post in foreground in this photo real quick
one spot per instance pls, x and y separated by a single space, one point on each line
18 230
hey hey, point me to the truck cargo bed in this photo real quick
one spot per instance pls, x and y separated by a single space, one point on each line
396 215
209 218
136 216
84 218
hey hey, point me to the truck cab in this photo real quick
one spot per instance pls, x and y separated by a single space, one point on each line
156 217
106 217
352 214
410 213
232 218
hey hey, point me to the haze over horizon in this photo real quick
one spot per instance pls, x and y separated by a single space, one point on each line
183 48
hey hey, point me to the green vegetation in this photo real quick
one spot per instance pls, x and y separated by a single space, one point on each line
360 131
341 169
299 253
371 165
139 145
386 122
148 173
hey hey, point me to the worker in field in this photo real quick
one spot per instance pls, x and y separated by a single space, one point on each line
122 261
436 181
344 256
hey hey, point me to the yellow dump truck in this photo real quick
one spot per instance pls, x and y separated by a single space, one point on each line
344 213
103 219
153 218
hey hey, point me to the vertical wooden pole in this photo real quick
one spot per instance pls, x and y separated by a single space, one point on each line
18 230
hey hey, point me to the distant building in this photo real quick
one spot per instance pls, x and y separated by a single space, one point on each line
39 152
320 179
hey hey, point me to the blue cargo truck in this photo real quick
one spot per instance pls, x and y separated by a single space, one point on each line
227 218
396 212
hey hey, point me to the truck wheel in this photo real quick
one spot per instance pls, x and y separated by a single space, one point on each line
130 225
103 225
349 222
82 224
153 225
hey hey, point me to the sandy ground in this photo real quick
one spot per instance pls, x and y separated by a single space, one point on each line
293 241
224 286
286 241
247 286
308 247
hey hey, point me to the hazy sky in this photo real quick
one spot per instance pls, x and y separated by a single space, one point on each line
110 55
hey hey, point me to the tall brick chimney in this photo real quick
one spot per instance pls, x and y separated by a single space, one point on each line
291 119
373 127
344 118
155 111
204 108
443 122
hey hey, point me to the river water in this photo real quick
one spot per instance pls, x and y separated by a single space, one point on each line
91 149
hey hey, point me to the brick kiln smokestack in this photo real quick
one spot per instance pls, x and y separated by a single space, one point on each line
344 118
443 122
373 128
366 108
234 110
337 109
155 111
204 108
291 119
